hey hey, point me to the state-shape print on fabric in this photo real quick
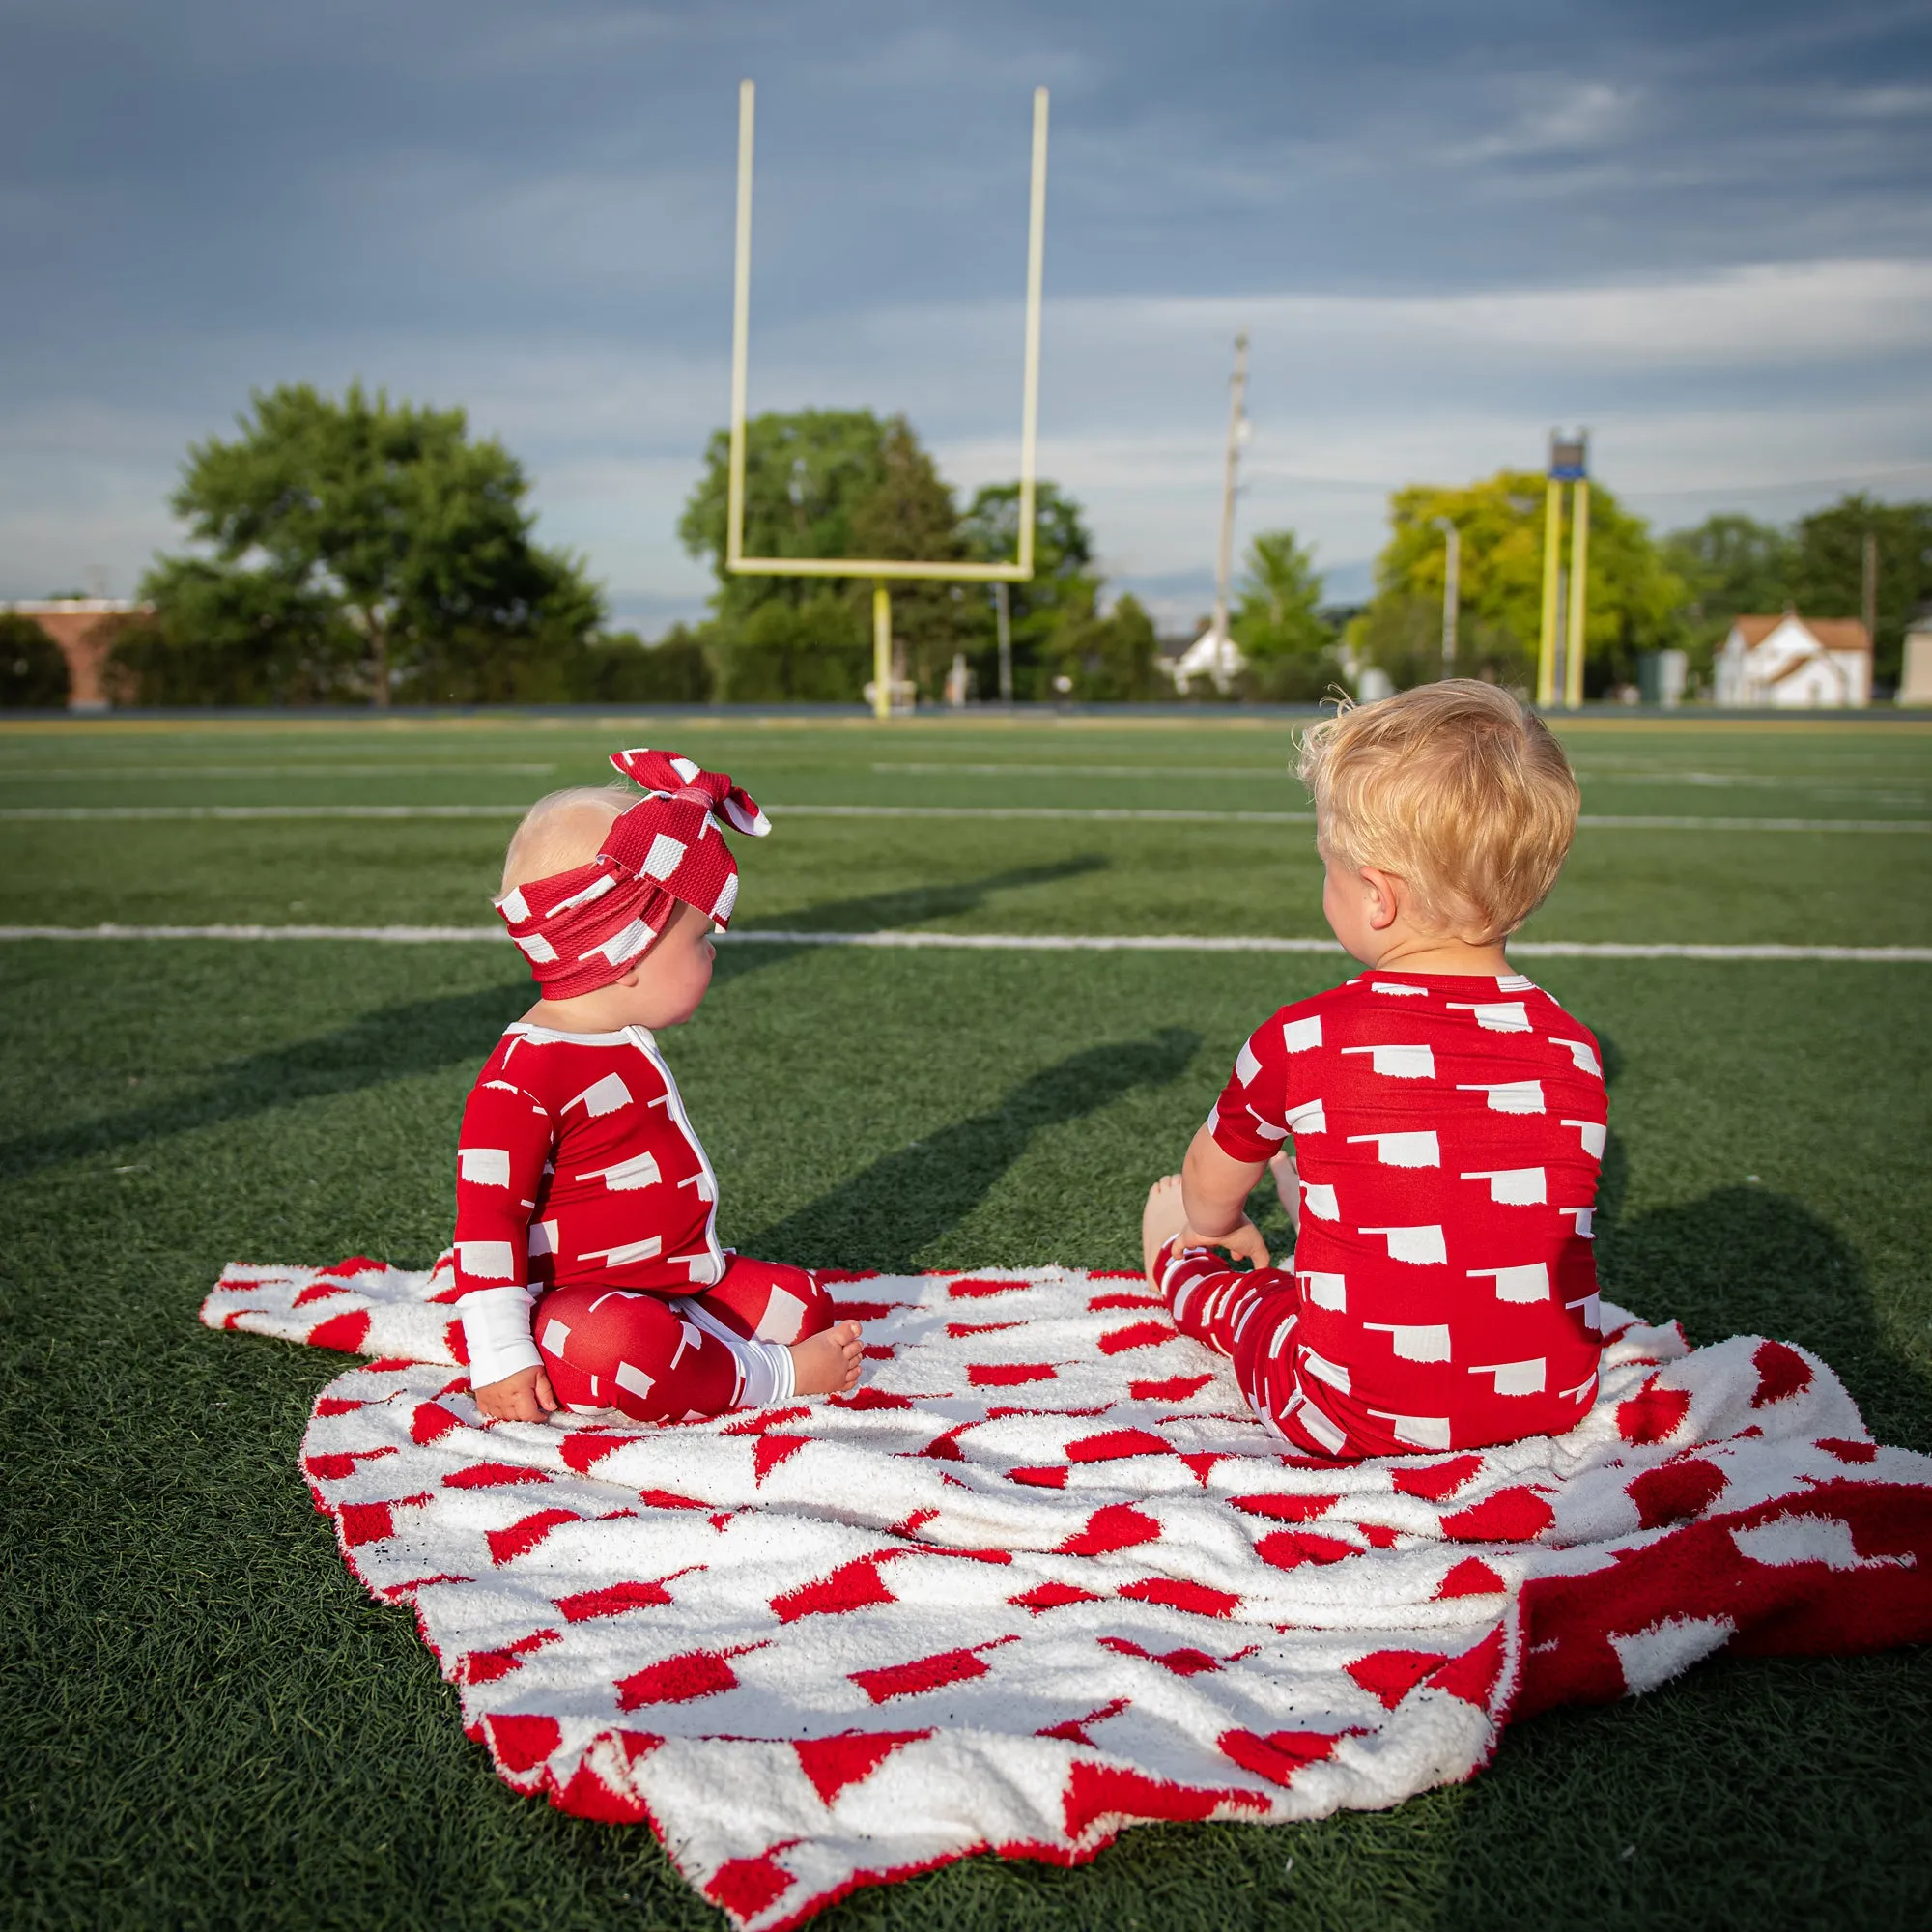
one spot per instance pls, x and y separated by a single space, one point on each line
951 1613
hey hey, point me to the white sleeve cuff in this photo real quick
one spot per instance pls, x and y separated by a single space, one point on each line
497 1333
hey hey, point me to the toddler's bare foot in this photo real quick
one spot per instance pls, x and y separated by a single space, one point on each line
827 1363
1288 1184
1161 1219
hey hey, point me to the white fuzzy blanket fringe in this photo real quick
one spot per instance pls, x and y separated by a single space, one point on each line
1041 1577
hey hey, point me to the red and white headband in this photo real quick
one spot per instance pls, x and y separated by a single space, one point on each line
580 929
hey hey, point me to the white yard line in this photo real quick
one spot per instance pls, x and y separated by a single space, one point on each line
999 942
1083 813
97 811
421 769
1886 791
1279 773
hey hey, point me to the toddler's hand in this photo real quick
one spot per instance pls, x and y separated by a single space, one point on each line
1243 1243
524 1397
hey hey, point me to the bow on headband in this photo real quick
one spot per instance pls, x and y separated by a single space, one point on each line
580 929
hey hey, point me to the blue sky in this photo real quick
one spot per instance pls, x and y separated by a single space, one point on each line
1704 230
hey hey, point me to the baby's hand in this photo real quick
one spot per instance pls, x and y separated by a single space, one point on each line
524 1397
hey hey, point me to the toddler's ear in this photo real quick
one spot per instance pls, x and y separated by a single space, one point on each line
1385 899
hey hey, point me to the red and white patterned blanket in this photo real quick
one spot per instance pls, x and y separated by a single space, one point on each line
1041 1577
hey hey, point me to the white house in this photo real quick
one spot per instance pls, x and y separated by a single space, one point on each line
1212 655
1797 663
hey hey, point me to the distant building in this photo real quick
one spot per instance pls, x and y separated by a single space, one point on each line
1916 686
1796 662
84 629
1212 655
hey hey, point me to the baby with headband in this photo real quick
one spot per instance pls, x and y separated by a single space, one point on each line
588 1268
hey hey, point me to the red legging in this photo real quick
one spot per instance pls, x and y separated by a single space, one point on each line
1249 1315
627 1348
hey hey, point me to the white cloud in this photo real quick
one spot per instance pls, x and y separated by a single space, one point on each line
1757 388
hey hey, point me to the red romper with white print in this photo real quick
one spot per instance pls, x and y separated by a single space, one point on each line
1447 1130
587 1213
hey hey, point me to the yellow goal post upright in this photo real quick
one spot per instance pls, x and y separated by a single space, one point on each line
1569 463
882 570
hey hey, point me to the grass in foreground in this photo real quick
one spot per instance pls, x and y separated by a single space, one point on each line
214 1727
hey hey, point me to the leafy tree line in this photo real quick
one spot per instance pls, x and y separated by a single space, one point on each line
363 551
1682 591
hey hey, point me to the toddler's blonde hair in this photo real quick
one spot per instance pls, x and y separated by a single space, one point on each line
563 829
1455 788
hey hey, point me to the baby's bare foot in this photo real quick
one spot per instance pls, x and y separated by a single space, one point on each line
827 1363
1288 1184
1161 1219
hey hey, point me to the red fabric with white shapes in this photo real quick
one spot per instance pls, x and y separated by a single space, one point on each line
576 1163
1447 1130
624 1349
967 1608
1250 1316
580 929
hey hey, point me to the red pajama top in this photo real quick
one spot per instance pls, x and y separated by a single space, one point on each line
1447 1130
576 1163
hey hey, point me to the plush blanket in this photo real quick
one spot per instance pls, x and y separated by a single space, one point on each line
1042 1576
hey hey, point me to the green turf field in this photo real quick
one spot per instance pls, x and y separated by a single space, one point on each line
209 1724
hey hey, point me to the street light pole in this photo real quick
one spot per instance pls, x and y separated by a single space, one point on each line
1869 589
1452 591
1238 422
1003 610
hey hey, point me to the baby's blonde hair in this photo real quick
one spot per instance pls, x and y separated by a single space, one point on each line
1455 788
563 831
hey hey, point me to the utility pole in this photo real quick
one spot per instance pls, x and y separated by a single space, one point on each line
1868 600
1452 591
1003 610
1238 432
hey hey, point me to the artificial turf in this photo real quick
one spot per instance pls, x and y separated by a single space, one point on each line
209 1723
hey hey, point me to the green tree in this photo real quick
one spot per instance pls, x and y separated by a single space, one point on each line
825 483
1828 569
818 651
1731 566
33 667
1289 646
1634 596
805 474
845 483
910 515
380 520
623 670
1104 660
223 635
1063 584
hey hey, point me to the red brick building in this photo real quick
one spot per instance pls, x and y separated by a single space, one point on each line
83 627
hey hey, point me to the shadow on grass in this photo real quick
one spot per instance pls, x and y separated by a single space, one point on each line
417 1036
1745 1261
872 912
884 1218
891 912
1681 1807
